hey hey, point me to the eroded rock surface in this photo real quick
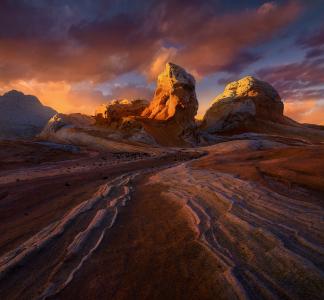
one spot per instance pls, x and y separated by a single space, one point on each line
61 120
81 130
116 110
175 97
170 116
242 102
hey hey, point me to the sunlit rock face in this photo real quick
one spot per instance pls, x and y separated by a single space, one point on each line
116 110
22 116
243 101
175 97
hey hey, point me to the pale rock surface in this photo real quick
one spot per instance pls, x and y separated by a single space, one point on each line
82 130
59 121
22 116
243 101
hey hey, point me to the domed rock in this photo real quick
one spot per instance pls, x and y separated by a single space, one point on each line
116 110
59 121
241 103
175 97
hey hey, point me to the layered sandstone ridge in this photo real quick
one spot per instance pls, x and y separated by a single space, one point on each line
242 102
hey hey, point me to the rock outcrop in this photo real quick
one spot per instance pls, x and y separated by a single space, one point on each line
60 121
242 102
22 116
83 130
170 117
175 97
114 112
122 120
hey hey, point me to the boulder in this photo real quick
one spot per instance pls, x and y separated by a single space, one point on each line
175 97
116 110
242 103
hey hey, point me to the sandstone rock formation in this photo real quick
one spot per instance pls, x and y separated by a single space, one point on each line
123 119
175 97
21 115
168 119
59 121
82 130
170 116
241 103
116 110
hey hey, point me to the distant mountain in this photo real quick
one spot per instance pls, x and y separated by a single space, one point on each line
22 116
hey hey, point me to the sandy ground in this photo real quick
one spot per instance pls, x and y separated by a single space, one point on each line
244 221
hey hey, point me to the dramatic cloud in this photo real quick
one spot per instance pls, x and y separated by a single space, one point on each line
302 80
130 91
302 87
212 42
61 43
64 50
314 44
301 84
308 111
297 80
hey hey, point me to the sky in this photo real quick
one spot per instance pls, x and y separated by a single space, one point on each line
75 55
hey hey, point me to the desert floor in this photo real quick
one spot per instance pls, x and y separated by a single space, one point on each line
239 219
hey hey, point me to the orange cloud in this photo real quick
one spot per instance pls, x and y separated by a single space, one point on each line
222 42
53 94
158 63
184 31
65 98
307 111
58 95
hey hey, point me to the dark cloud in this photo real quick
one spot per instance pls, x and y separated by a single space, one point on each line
98 40
48 47
297 81
241 61
130 91
313 43
301 81
216 41
315 39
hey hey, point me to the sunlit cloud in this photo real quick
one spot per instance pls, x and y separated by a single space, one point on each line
67 98
97 42
307 111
